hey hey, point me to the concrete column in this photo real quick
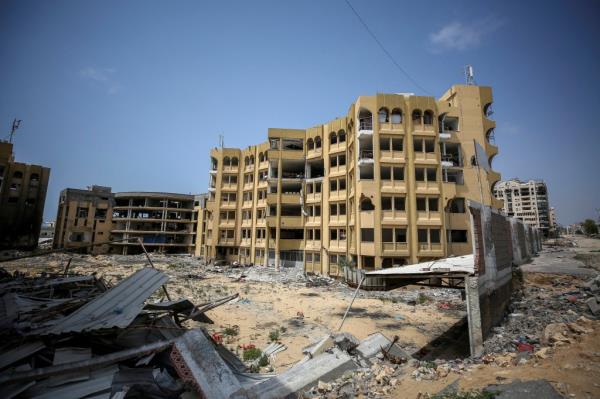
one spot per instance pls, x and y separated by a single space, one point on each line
474 316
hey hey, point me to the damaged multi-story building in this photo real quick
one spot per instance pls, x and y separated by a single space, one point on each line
99 221
525 200
22 198
384 185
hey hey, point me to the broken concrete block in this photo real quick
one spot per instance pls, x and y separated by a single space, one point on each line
371 346
594 306
324 367
346 341
319 347
554 332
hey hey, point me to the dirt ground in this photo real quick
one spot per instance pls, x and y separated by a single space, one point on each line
299 314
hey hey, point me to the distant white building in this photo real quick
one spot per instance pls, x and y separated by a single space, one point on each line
527 201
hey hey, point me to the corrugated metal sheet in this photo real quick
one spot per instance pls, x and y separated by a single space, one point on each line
457 264
116 307
20 352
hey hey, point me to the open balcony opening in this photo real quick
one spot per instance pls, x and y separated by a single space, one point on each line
452 154
291 234
315 169
292 169
291 187
366 172
292 144
291 210
365 120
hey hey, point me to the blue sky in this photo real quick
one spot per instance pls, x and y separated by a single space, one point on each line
133 94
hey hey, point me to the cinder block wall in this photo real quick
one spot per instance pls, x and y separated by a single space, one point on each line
489 291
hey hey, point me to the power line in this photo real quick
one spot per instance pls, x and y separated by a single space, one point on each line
384 49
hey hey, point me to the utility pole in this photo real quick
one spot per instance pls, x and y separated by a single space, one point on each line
15 125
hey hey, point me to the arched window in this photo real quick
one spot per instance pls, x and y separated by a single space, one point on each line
489 136
416 117
332 138
34 178
234 161
318 142
365 120
251 159
18 175
384 115
247 161
428 117
396 115
310 144
341 136
366 204
226 161
214 163
261 157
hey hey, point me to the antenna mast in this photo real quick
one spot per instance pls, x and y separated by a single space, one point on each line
15 125
221 140
469 76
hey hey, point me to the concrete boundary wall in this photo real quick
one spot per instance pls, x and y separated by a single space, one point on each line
499 242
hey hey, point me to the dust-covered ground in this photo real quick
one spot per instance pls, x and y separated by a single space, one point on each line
282 304
549 332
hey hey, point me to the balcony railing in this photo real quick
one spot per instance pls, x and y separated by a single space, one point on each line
365 124
366 154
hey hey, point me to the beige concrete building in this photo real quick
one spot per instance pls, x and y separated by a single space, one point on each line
527 201
22 197
165 222
84 218
384 185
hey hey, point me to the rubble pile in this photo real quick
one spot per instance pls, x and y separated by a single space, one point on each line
72 335
534 307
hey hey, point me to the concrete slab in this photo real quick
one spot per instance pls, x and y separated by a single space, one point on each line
540 389
324 367
371 346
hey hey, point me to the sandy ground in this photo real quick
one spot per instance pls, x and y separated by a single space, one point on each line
299 314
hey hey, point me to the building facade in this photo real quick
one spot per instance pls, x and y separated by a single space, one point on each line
99 221
384 185
83 219
22 197
525 200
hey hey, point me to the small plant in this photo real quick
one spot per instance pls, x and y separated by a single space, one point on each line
172 266
274 335
346 262
252 354
282 329
422 299
264 361
231 331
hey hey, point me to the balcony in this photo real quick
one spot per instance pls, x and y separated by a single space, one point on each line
394 248
365 156
365 127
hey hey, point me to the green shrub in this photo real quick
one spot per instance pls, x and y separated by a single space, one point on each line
422 298
231 331
274 335
252 354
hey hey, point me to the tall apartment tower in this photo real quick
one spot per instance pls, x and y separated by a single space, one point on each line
384 185
527 201
22 197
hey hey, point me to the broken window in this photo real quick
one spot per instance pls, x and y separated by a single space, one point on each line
384 115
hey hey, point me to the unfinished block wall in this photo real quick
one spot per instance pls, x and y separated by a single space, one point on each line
499 242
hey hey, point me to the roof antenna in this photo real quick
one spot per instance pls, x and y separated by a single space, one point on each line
15 125
221 140
469 76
